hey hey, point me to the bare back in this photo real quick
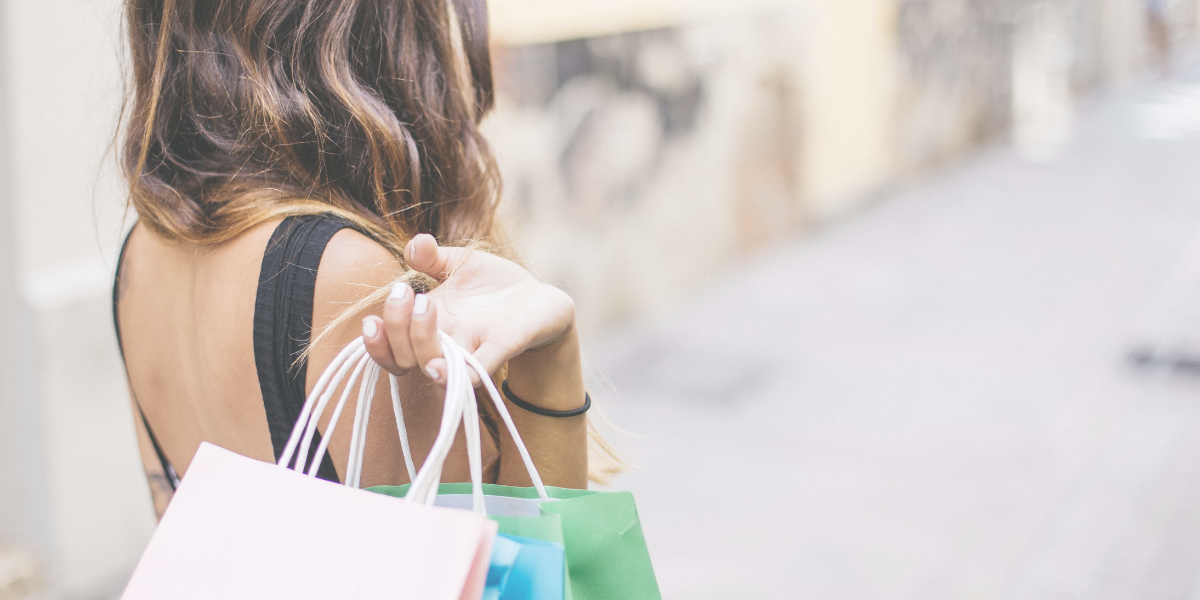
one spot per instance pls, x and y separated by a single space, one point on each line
186 318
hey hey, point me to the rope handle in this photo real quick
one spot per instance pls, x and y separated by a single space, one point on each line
459 379
459 405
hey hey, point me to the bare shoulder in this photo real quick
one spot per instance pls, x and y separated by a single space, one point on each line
353 268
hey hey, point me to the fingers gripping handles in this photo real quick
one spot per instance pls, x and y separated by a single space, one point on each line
459 406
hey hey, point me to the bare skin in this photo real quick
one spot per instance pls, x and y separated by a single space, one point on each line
186 315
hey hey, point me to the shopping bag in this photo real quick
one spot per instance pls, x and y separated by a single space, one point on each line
537 571
504 558
239 529
547 528
606 553
524 569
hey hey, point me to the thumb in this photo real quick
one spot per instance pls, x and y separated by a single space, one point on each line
425 255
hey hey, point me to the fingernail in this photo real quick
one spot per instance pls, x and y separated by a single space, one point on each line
433 373
370 328
411 251
420 305
399 289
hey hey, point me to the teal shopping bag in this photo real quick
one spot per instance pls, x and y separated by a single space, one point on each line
547 528
500 565
525 569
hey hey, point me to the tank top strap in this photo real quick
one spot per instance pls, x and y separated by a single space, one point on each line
168 470
283 314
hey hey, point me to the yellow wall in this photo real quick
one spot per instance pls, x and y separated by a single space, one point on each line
535 21
847 102
847 74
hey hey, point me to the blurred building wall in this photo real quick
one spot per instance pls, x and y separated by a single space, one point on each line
647 147
637 162
645 143
72 489
23 519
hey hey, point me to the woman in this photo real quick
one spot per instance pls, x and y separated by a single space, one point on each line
305 172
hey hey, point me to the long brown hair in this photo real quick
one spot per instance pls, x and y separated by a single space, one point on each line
242 110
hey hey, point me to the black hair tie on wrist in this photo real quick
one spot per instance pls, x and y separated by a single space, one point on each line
545 412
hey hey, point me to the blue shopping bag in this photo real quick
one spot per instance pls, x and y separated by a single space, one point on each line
525 569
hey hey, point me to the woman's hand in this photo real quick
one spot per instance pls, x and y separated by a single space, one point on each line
491 306
497 311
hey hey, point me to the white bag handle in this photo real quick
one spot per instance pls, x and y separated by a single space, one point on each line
459 391
508 422
474 449
459 405
303 432
333 421
362 415
424 486
456 358
336 370
394 383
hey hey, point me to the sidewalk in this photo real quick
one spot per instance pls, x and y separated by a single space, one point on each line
931 399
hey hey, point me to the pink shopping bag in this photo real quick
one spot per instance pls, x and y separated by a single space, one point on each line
239 529
242 529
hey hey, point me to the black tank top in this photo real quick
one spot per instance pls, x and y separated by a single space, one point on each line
283 309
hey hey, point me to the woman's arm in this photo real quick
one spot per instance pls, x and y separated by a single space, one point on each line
497 311
547 377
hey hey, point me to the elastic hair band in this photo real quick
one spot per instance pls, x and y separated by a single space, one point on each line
545 412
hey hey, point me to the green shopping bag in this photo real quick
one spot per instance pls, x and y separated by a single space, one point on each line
606 553
607 557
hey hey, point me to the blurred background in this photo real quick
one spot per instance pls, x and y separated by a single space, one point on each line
884 298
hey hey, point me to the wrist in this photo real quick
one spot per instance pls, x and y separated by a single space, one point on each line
550 376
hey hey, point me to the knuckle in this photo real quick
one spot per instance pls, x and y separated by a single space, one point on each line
401 354
395 369
394 314
420 334
427 350
425 334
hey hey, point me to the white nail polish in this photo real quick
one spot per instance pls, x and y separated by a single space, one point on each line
420 305
432 373
370 328
399 289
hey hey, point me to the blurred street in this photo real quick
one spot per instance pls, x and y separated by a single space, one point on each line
931 398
